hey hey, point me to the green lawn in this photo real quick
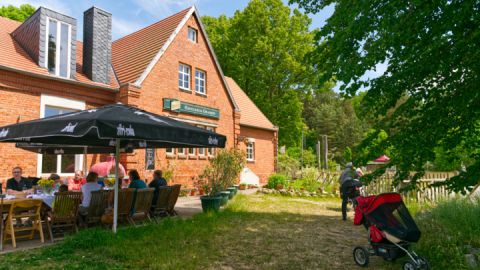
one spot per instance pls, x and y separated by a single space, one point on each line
254 232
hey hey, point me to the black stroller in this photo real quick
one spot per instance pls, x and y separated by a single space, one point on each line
391 230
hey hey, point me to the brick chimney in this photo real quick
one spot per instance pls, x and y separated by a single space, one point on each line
97 44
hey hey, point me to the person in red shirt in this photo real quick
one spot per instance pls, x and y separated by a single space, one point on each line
77 181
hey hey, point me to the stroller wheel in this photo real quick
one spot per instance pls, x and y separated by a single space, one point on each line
409 265
360 255
423 263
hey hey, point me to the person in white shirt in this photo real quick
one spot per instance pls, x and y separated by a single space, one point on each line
87 189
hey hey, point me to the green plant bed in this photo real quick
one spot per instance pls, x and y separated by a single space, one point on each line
211 203
233 191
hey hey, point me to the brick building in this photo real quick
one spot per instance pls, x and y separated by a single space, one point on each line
168 68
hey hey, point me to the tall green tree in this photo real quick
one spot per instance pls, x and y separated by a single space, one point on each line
263 48
17 13
433 54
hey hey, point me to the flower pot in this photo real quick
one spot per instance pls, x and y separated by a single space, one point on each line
210 203
230 193
224 195
201 192
243 187
192 192
232 190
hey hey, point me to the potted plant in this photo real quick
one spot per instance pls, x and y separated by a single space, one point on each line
221 173
193 191
242 186
46 185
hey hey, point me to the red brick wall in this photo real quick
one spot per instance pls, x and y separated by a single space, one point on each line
20 101
162 82
264 151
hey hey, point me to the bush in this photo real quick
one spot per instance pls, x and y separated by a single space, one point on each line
276 179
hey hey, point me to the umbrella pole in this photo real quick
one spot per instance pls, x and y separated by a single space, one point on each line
85 160
115 202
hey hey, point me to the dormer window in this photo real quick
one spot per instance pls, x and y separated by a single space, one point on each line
58 48
192 34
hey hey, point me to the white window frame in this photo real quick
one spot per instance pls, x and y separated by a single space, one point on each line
181 151
57 43
192 30
194 152
199 80
250 150
170 153
181 72
47 100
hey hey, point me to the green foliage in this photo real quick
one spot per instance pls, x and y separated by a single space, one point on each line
277 179
347 154
264 49
428 95
309 158
327 113
458 223
223 170
288 165
17 13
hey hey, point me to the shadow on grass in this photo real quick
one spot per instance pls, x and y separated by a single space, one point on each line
229 239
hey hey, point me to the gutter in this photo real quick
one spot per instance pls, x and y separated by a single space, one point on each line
54 78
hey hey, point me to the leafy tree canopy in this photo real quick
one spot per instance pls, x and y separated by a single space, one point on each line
432 50
263 48
17 13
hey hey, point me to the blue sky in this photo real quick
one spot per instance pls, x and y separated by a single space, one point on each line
131 15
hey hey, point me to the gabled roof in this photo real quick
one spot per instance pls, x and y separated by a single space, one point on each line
251 116
135 55
132 54
14 58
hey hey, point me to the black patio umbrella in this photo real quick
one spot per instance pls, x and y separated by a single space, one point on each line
62 149
116 125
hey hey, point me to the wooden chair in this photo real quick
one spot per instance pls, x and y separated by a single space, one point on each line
159 208
143 202
172 199
29 209
98 203
64 212
125 201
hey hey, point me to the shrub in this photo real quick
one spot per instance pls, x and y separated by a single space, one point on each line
276 179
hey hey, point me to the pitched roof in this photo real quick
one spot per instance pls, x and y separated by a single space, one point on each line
250 114
14 57
132 54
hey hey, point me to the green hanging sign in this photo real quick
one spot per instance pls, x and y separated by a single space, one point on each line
189 108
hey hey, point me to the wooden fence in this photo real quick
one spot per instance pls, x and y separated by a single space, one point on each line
422 193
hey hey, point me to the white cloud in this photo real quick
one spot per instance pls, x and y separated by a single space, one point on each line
57 5
163 8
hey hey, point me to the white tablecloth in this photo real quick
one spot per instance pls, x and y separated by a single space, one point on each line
47 199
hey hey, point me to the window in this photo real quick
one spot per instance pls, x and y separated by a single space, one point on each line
192 34
170 151
184 77
200 82
191 151
181 151
250 151
58 48
59 164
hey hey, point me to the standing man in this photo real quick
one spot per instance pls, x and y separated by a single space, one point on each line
346 178
158 181
18 184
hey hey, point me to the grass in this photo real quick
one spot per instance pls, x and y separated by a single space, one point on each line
253 232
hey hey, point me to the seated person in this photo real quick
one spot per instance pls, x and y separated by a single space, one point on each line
57 181
18 184
158 181
87 189
77 181
63 188
135 181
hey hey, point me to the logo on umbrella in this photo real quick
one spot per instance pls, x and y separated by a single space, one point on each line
4 133
124 131
213 141
69 128
58 151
